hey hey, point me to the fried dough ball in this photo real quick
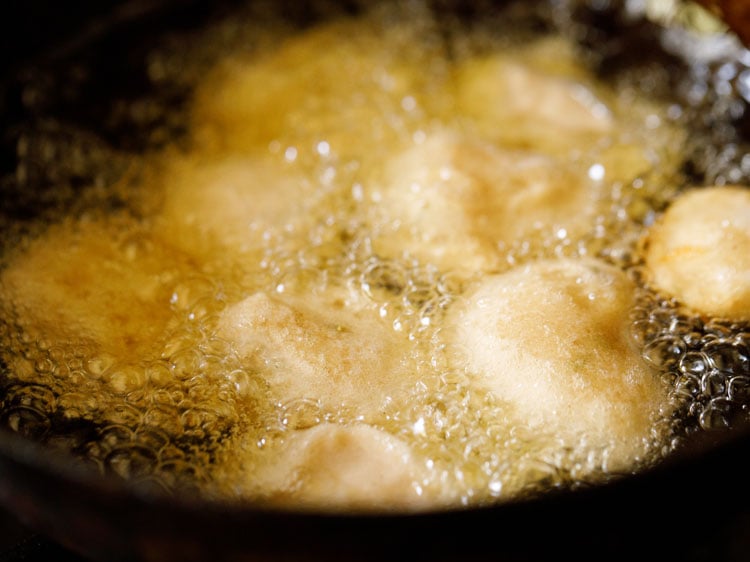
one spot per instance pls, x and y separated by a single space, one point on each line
339 467
552 339
456 202
87 282
543 99
699 251
351 85
319 350
231 207
536 99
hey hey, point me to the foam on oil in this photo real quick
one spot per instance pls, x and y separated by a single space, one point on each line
130 373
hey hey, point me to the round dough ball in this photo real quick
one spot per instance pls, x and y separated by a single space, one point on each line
455 202
552 339
699 251
318 349
357 86
230 207
339 467
535 100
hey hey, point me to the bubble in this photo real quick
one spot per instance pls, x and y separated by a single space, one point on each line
664 352
713 383
96 366
738 390
247 384
188 292
185 362
158 373
123 379
196 420
382 280
418 296
125 415
716 415
302 280
153 437
166 417
27 422
694 363
688 386
131 462
35 396
78 405
726 357
302 413
152 484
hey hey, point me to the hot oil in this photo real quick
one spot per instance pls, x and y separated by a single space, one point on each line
189 412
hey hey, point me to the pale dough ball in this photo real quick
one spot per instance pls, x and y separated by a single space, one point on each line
544 99
339 467
358 87
699 251
552 339
318 349
231 208
537 99
457 202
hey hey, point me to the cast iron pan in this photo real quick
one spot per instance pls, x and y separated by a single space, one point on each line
692 507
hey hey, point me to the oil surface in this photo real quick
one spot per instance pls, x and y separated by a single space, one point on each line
115 337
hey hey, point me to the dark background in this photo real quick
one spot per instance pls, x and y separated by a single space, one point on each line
18 543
